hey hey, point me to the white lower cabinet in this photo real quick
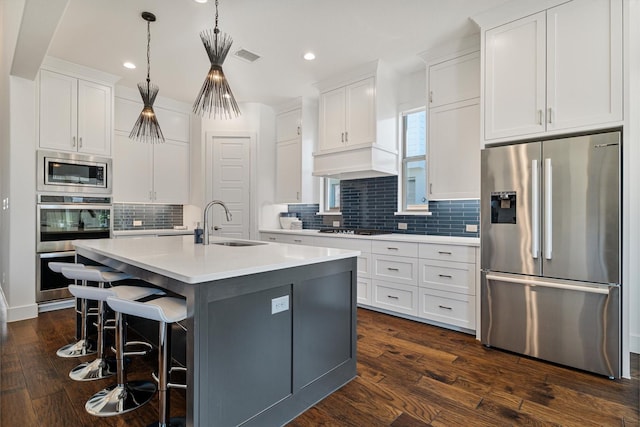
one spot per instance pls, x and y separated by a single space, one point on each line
395 297
364 290
447 284
294 239
448 308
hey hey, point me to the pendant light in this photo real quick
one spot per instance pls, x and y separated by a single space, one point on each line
147 128
216 97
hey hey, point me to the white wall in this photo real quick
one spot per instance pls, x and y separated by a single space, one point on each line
412 90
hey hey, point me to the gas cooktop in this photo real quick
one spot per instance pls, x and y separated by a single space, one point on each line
358 231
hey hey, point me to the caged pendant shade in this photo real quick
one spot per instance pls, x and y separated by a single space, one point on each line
147 128
215 97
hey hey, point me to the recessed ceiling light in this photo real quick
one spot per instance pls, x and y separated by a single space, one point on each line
309 56
200 1
129 65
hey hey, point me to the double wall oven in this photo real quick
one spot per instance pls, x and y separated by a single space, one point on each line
73 202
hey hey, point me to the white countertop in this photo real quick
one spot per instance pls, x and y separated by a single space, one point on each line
394 237
179 258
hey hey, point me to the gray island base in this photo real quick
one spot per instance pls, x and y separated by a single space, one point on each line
263 347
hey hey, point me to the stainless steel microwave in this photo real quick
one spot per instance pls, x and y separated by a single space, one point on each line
73 173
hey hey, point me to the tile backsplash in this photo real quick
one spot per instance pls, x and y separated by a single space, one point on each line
153 217
372 202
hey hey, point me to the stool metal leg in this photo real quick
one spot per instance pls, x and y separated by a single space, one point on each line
82 347
100 367
124 396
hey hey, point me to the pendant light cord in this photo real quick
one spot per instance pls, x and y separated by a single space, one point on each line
148 51
215 29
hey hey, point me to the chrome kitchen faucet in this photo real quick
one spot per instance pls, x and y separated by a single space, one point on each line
205 222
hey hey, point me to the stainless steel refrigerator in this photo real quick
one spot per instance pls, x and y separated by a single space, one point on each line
550 248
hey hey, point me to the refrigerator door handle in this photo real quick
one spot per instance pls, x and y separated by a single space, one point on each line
604 290
535 208
548 229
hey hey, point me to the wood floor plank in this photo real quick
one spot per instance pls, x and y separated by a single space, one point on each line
409 375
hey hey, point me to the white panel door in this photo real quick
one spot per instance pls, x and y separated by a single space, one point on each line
288 125
515 78
288 171
94 118
584 64
58 111
332 119
231 183
361 113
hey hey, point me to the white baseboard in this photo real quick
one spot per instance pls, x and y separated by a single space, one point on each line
22 312
56 305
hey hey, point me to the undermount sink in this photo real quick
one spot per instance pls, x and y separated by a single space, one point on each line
237 243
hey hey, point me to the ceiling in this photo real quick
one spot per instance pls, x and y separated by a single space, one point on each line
343 34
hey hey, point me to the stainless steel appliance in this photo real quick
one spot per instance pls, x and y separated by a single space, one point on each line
73 173
61 219
550 242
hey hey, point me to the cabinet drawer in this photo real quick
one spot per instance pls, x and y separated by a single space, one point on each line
353 244
283 238
396 269
395 297
364 265
448 252
364 291
459 277
453 309
395 248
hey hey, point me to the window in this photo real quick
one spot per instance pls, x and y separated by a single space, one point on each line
331 193
414 161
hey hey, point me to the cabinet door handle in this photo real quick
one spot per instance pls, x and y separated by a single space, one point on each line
392 269
445 275
297 195
346 137
297 240
273 239
392 297
430 97
80 142
392 249
342 136
444 253
540 113
430 188
73 141
298 130
549 114
445 307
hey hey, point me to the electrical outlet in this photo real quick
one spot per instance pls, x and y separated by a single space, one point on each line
471 228
336 223
137 223
279 304
402 226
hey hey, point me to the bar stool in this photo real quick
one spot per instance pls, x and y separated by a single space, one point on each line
100 367
83 346
124 396
165 310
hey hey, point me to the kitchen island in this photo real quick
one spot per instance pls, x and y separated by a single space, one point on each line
271 328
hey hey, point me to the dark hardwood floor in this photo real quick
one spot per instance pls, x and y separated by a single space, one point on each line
409 375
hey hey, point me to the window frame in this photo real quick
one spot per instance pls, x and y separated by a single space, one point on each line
403 208
325 197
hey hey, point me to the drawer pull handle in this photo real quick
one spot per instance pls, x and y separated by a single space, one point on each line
392 269
444 253
445 307
297 240
445 275
272 238
392 297
392 249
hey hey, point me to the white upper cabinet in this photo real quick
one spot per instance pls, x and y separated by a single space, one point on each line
296 135
455 80
453 129
357 128
151 173
554 71
74 114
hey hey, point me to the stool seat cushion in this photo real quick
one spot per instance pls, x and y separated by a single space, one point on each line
165 309
57 267
124 291
93 275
